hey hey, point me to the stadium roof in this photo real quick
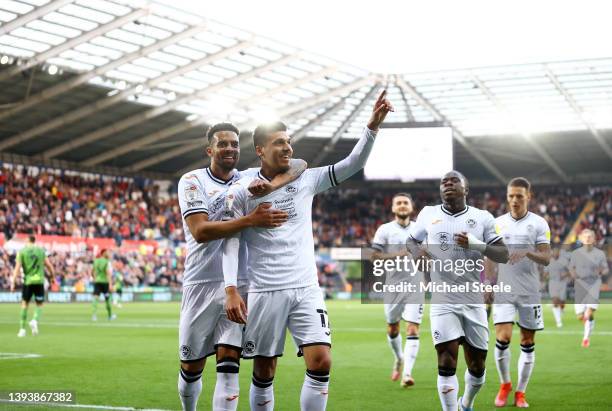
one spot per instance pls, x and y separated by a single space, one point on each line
124 87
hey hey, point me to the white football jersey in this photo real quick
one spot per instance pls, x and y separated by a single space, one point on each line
588 265
438 226
557 270
199 191
391 238
283 257
520 235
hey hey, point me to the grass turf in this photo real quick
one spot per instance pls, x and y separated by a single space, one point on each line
132 362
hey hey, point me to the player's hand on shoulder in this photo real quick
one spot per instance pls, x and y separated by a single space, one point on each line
234 306
260 188
267 217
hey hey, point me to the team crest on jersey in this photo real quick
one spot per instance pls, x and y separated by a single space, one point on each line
185 351
249 347
530 228
443 240
471 223
291 189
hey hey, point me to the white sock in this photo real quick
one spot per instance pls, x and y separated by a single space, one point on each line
189 388
525 366
502 360
314 391
588 328
447 391
227 387
261 395
557 314
411 349
396 345
472 386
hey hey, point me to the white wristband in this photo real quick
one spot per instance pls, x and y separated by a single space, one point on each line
476 244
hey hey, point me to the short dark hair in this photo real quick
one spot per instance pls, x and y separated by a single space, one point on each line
215 128
520 182
263 130
401 195
32 238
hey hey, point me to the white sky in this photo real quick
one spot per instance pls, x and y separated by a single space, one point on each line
396 36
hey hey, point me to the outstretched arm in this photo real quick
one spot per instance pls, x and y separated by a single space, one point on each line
358 157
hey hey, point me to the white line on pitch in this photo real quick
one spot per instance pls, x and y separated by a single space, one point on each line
17 355
92 407
118 324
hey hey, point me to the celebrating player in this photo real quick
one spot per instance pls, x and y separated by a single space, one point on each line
528 238
587 265
389 242
204 329
461 235
558 276
102 275
33 261
283 284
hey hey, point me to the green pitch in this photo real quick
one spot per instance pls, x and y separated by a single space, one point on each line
132 362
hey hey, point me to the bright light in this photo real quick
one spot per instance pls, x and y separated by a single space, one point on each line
121 85
112 93
139 88
409 154
4 60
192 117
53 69
263 115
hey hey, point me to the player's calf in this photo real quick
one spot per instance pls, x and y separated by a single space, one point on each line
190 383
227 388
316 381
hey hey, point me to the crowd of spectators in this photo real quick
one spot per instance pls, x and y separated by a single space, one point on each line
69 204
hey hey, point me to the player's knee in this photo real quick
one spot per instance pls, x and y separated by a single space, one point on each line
227 352
393 330
193 366
264 368
412 330
321 362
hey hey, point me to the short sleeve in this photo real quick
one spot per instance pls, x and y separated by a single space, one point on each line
380 239
191 196
418 229
489 234
543 233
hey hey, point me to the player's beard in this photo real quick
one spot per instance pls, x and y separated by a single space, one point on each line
403 216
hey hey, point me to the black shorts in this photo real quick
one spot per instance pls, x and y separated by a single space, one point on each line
119 291
101 288
36 290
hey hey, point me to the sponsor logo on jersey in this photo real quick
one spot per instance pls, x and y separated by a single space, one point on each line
436 221
191 204
443 240
249 347
216 205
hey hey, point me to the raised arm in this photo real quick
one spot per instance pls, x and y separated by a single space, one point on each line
358 157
